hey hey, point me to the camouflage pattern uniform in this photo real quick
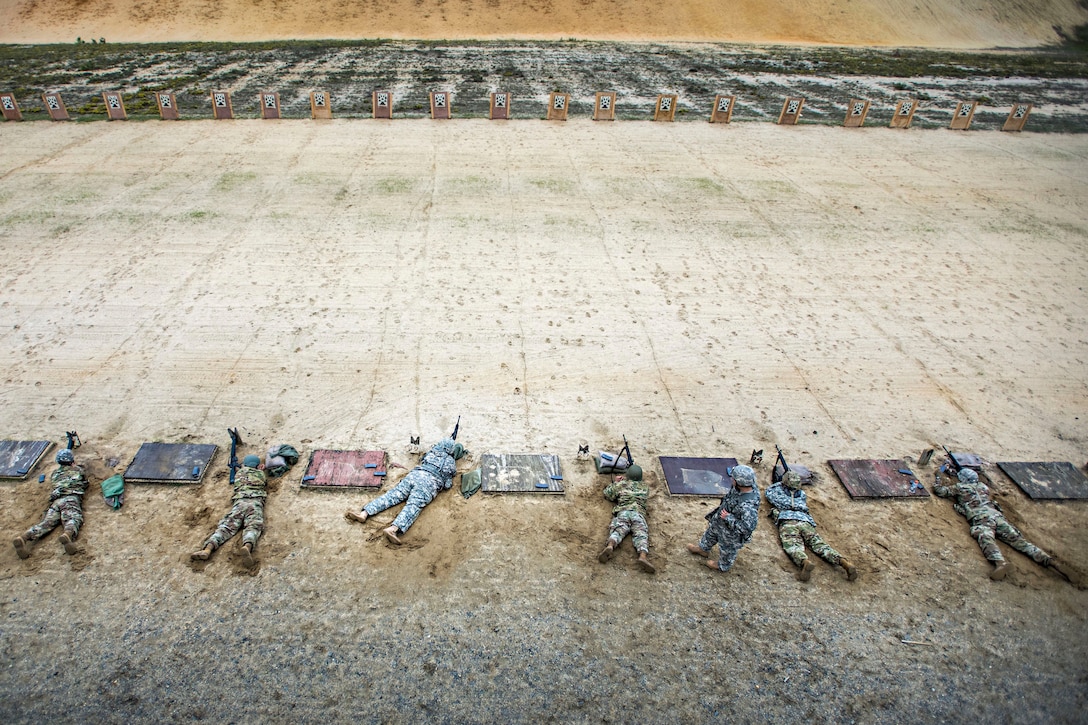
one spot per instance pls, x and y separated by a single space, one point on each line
420 486
735 530
796 527
973 502
247 514
65 504
629 513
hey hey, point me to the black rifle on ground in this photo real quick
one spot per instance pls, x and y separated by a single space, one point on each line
952 459
73 440
626 449
775 475
235 439
456 428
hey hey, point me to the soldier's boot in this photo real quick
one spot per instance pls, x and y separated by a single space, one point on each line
21 548
248 560
806 570
392 534
606 553
1053 563
66 540
361 517
203 554
644 563
851 570
1001 568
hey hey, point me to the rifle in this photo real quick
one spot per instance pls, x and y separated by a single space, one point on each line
456 428
775 475
73 440
235 439
610 464
952 460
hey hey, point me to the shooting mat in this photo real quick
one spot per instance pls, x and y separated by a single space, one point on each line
877 479
18 458
697 476
520 473
1047 480
344 469
170 463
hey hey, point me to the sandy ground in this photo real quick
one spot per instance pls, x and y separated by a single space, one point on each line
933 23
705 290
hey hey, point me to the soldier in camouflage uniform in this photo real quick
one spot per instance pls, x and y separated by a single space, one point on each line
65 507
246 515
973 502
435 472
732 523
629 492
796 527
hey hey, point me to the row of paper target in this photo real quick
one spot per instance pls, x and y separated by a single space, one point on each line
501 103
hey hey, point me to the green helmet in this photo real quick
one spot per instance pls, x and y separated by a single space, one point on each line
458 451
792 480
251 461
633 472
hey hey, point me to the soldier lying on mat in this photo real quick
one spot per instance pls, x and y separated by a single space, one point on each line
629 493
65 507
796 527
246 515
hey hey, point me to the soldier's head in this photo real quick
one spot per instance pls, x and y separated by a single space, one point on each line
633 472
743 476
251 461
458 451
65 457
966 475
792 480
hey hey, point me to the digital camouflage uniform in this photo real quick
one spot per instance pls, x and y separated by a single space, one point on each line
629 513
973 502
65 504
247 513
734 531
420 486
796 527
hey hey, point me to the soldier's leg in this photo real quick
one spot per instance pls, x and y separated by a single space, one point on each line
1012 536
640 536
619 528
420 496
71 514
228 526
820 547
983 531
252 522
392 497
48 523
792 542
727 554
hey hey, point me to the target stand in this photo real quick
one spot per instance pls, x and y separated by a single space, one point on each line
856 112
320 105
270 105
604 106
168 106
383 104
221 106
665 108
55 106
791 111
723 109
500 106
441 105
10 107
1018 116
558 103
115 106
904 113
963 115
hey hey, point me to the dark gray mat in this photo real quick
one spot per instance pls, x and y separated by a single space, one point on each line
18 458
520 473
170 463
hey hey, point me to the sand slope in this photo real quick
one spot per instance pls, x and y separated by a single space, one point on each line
350 283
940 23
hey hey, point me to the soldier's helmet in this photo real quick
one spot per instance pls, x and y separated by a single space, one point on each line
792 480
633 472
743 476
966 475
65 457
458 451
251 461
